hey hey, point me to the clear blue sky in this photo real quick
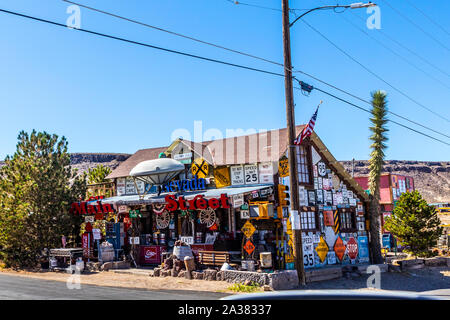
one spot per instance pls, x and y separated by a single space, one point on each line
108 96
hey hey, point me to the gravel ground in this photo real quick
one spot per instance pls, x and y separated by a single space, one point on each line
419 280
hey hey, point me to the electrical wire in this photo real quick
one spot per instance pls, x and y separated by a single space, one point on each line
429 18
416 25
395 53
242 53
406 48
366 110
373 73
192 56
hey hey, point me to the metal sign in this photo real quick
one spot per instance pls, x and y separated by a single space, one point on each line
339 248
322 249
363 249
245 214
222 177
352 248
200 168
237 175
251 174
308 251
248 229
283 168
249 247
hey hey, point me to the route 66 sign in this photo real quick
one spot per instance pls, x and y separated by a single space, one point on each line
321 169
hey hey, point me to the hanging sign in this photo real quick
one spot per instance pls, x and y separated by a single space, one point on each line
339 248
251 174
248 229
249 247
283 167
322 249
237 175
120 186
352 248
238 200
265 172
222 177
200 168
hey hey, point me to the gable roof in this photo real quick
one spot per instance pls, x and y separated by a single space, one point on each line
123 170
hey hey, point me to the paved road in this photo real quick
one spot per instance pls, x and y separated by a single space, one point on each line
21 288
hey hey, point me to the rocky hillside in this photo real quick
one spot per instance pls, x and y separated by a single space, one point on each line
84 161
432 179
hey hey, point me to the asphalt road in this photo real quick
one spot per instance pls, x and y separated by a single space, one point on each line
21 288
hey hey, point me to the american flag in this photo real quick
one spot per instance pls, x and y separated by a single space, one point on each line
306 132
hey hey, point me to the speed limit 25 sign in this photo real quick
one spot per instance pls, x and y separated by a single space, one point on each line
251 174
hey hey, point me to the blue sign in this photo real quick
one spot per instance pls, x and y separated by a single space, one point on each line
387 241
185 185
363 249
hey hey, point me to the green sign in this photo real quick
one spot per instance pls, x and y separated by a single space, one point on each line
135 214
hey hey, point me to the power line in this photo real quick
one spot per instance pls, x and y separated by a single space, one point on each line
373 73
416 25
395 53
262 7
366 110
184 54
238 52
429 18
145 44
406 48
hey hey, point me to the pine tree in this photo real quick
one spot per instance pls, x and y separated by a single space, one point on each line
37 187
98 174
415 224
376 161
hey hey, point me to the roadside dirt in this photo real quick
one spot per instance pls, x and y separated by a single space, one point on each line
111 279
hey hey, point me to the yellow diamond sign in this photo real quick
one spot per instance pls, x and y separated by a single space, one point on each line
322 249
248 229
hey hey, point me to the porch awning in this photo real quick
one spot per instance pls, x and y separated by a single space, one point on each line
263 189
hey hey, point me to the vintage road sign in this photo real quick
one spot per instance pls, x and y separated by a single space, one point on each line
322 249
339 248
200 168
352 248
283 167
249 247
248 229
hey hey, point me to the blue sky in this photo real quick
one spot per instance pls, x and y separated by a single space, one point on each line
108 96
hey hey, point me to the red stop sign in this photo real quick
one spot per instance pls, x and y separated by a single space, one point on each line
352 248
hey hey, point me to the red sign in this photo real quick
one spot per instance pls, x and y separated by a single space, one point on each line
249 247
199 202
87 208
339 248
352 248
85 240
328 218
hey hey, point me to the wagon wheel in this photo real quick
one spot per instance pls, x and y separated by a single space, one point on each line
163 220
208 217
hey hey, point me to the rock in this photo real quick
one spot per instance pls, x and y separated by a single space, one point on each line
156 272
210 275
106 266
220 276
165 273
182 274
174 273
197 275
266 288
248 283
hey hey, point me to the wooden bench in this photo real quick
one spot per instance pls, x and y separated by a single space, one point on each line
214 258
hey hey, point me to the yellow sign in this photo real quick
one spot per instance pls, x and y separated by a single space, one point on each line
222 177
283 167
322 249
248 229
200 168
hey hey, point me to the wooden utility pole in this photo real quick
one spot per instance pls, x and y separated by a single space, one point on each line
293 175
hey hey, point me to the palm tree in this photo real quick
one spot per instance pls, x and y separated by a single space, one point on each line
378 138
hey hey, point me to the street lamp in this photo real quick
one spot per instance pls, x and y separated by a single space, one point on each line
357 5
291 132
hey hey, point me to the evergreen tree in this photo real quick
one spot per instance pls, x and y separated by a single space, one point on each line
415 224
376 161
37 187
98 174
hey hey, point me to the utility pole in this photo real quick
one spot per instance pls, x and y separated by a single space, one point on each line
293 175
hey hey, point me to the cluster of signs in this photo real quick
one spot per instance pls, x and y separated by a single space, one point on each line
244 174
248 229
353 249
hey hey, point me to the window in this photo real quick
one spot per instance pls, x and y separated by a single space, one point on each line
347 220
303 164
308 220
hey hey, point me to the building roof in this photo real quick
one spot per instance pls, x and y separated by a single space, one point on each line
123 170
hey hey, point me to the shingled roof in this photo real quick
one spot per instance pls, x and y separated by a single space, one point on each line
123 170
